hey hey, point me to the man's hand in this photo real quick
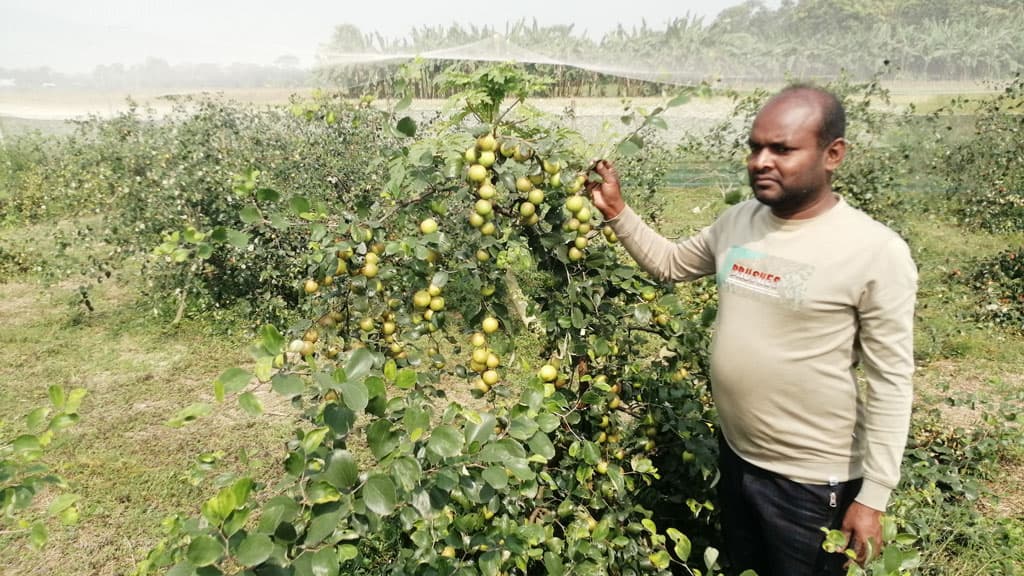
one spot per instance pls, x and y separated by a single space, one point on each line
861 525
606 195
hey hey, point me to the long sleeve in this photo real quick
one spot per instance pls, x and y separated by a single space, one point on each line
886 340
662 258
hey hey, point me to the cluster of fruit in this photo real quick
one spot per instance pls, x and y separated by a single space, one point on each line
427 302
484 361
480 158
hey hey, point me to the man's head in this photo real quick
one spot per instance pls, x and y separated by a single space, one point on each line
796 143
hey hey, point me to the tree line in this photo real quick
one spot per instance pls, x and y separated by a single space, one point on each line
751 42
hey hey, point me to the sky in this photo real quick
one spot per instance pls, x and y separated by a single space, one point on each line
74 36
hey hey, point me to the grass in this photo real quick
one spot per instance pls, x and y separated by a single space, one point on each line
128 467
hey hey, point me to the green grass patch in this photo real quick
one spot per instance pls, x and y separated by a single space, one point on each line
128 467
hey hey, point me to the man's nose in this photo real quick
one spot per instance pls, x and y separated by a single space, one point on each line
759 160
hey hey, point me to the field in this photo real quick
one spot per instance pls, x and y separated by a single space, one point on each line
119 339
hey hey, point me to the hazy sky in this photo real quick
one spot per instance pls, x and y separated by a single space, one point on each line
77 35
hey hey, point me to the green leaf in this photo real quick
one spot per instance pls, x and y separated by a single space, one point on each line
416 421
26 443
658 122
381 438
271 340
287 384
547 422
254 549
576 316
683 546
710 558
204 551
522 428
325 562
61 503
322 493
74 401
268 195
892 559
238 239
404 103
679 100
541 445
439 279
407 126
38 535
56 394
321 526
660 559
250 215
313 438
406 379
407 471
233 380
375 387
189 414
553 564
355 394
36 417
341 471
69 516
182 569
204 250
278 509
445 441
496 477
237 494
359 364
627 148
279 221
480 432
63 421
347 552
298 204
502 451
251 404
379 494
490 563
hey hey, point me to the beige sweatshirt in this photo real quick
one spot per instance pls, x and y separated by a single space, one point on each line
801 304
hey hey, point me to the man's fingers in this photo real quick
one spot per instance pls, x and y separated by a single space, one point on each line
607 172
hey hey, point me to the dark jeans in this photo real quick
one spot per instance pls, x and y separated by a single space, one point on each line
773 525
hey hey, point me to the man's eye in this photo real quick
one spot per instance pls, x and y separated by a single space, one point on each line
781 149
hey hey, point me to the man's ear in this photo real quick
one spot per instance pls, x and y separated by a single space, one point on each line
834 154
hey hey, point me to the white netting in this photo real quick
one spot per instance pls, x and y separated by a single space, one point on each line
499 49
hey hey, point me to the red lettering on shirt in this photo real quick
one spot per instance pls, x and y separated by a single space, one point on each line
754 274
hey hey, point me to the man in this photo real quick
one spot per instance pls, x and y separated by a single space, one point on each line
809 288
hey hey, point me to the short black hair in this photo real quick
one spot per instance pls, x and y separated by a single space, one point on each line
833 115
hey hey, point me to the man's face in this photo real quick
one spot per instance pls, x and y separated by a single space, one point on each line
787 167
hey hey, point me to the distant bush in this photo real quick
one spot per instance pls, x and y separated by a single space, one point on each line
986 169
998 283
144 181
27 193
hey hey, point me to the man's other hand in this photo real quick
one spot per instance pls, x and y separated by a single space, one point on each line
862 525
606 195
